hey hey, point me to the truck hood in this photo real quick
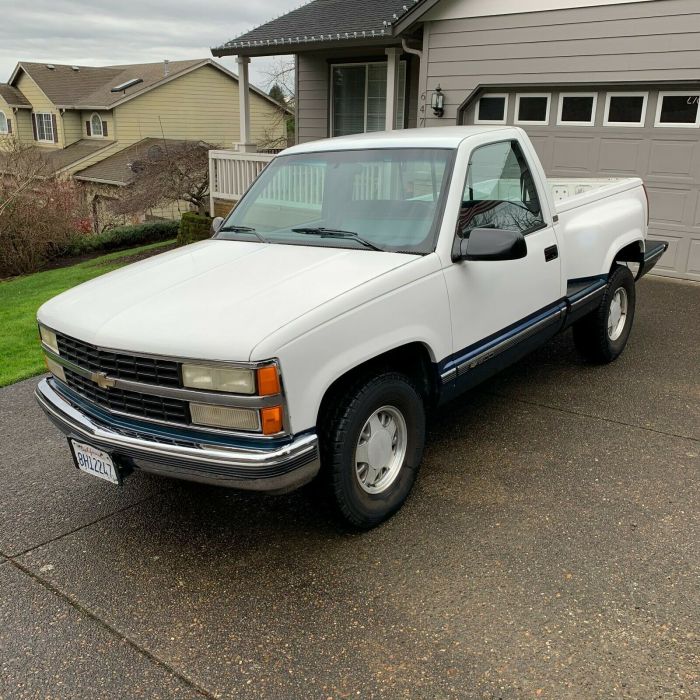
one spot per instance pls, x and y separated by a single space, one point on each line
214 300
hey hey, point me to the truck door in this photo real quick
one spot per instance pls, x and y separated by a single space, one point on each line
500 309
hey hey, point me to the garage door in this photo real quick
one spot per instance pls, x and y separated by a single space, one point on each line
631 130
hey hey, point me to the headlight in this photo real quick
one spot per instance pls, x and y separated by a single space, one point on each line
233 380
49 338
55 368
225 417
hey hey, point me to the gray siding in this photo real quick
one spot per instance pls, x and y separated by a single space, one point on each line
650 41
313 89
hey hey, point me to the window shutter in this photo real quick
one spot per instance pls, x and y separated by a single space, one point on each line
55 128
9 126
87 128
34 126
104 129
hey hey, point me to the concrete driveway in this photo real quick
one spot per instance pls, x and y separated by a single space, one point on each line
550 549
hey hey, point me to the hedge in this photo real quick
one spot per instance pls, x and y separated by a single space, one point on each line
193 227
123 237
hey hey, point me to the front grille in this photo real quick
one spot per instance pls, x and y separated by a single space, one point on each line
134 403
119 365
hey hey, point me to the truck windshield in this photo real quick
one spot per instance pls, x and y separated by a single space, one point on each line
384 199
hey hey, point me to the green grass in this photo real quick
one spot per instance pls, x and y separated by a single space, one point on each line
20 354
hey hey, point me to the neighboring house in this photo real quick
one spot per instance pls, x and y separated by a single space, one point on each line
603 87
82 116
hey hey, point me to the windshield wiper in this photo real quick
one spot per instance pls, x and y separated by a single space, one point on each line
336 233
243 229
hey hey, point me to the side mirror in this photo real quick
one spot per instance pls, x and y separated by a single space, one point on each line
490 244
216 224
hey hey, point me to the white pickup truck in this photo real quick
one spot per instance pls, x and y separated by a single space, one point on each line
360 282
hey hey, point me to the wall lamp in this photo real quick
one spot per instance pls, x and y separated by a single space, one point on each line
437 102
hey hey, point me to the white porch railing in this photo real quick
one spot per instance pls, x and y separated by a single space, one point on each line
232 173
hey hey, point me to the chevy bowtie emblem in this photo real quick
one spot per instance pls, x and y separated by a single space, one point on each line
102 380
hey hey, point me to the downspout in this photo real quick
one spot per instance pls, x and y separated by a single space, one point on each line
408 49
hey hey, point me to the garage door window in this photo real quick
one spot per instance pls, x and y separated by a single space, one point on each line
532 109
577 109
678 109
625 108
492 109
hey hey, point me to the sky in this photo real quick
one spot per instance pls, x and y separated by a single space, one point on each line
104 32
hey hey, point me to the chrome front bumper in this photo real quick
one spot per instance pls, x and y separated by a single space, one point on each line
274 469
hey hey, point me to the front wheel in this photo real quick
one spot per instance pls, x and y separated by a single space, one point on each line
602 335
372 444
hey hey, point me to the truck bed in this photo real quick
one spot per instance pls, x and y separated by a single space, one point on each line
574 191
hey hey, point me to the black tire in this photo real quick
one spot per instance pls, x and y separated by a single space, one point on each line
340 431
591 335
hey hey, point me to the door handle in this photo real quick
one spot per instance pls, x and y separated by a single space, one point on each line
551 253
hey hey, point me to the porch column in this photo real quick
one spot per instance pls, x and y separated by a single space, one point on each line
245 145
393 56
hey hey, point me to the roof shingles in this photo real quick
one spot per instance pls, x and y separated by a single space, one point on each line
91 86
13 96
324 21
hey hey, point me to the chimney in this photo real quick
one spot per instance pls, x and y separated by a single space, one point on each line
166 69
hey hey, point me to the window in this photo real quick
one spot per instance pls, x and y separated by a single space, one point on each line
391 197
95 125
499 192
491 109
577 108
44 127
625 108
359 98
3 124
532 109
679 109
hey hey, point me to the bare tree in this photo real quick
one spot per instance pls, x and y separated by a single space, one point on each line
280 84
39 212
170 172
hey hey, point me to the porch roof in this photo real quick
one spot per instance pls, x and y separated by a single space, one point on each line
324 23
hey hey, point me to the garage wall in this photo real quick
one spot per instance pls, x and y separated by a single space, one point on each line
646 46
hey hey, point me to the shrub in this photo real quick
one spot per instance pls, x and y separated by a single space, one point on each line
193 227
123 237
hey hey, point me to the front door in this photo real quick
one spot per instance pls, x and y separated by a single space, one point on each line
500 308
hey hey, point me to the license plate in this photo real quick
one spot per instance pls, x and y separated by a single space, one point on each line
93 461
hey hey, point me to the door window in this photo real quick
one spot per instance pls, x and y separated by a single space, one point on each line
500 192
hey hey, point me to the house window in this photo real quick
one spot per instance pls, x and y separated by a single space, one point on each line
532 109
577 109
3 123
95 125
679 109
625 108
359 98
492 109
44 127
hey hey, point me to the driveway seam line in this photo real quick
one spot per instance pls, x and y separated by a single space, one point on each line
590 415
86 525
113 630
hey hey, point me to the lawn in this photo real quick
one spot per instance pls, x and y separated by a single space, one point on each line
20 354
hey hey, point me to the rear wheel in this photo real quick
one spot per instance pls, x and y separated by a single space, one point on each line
372 444
602 335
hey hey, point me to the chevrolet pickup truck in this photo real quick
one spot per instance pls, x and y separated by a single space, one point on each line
359 283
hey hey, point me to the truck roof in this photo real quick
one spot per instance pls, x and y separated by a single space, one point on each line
433 137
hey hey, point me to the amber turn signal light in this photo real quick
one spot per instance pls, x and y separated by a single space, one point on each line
271 419
268 381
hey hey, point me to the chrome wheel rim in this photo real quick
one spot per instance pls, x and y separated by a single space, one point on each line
381 449
617 313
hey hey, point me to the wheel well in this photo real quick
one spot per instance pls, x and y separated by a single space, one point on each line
633 252
412 359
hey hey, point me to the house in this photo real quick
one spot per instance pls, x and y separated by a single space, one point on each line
90 120
603 87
